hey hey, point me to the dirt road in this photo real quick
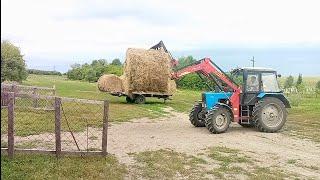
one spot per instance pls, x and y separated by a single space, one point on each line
176 133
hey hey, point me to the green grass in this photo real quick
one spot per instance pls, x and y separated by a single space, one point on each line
216 162
49 167
166 164
304 117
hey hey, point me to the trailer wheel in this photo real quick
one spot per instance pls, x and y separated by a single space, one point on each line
218 120
129 100
139 99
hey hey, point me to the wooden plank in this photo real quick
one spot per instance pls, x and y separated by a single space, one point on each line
11 124
58 125
105 128
33 96
52 152
87 101
35 99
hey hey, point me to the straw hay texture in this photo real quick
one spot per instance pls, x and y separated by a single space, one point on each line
172 87
146 71
110 83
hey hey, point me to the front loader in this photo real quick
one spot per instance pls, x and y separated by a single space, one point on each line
257 102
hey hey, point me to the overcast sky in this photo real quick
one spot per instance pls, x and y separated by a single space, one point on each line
61 32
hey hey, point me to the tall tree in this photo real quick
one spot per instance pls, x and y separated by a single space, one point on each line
185 61
116 62
299 81
13 66
289 82
318 87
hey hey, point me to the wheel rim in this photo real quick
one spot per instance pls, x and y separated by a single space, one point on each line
272 115
221 121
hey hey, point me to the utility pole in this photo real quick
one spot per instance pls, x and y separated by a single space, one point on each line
252 61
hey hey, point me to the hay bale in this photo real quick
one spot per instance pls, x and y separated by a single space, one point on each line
110 83
172 87
146 71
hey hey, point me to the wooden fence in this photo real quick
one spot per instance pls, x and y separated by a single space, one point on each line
35 91
9 102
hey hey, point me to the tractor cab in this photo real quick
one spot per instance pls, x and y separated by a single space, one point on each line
256 82
257 79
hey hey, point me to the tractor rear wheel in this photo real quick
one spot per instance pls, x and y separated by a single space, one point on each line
218 120
269 114
196 116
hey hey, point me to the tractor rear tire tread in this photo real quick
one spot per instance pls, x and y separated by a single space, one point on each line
257 121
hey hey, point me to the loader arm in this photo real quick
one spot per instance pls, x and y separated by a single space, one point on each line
207 68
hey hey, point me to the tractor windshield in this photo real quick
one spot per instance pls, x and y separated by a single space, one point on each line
269 82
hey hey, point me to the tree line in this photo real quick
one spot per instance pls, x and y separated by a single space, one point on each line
43 72
13 68
92 72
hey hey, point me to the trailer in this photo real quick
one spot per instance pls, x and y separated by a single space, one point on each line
140 97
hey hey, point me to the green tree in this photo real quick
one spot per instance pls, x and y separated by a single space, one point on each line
299 81
116 62
289 82
185 61
13 66
318 87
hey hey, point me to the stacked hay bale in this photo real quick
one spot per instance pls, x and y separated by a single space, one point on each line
110 83
145 71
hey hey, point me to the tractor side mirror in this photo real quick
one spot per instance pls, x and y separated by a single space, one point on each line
279 75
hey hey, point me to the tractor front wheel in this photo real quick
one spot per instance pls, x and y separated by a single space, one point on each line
269 114
218 120
197 116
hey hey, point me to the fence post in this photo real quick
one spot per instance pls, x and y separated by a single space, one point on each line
35 97
54 90
105 127
57 106
4 98
10 124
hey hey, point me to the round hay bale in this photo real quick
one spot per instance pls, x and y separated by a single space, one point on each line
172 87
110 83
146 71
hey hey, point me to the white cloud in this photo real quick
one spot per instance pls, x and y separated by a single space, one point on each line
61 27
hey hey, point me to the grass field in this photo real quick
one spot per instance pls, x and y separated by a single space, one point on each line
303 122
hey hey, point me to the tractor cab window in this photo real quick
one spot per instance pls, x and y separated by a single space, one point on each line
252 83
269 82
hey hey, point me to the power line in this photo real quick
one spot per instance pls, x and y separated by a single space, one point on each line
252 61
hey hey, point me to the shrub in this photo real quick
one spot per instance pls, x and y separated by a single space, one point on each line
13 67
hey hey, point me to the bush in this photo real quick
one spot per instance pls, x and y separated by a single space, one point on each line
289 82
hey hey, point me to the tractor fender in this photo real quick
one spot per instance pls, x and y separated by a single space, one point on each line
279 96
227 107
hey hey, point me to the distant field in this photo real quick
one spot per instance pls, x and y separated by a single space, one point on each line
309 81
120 110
